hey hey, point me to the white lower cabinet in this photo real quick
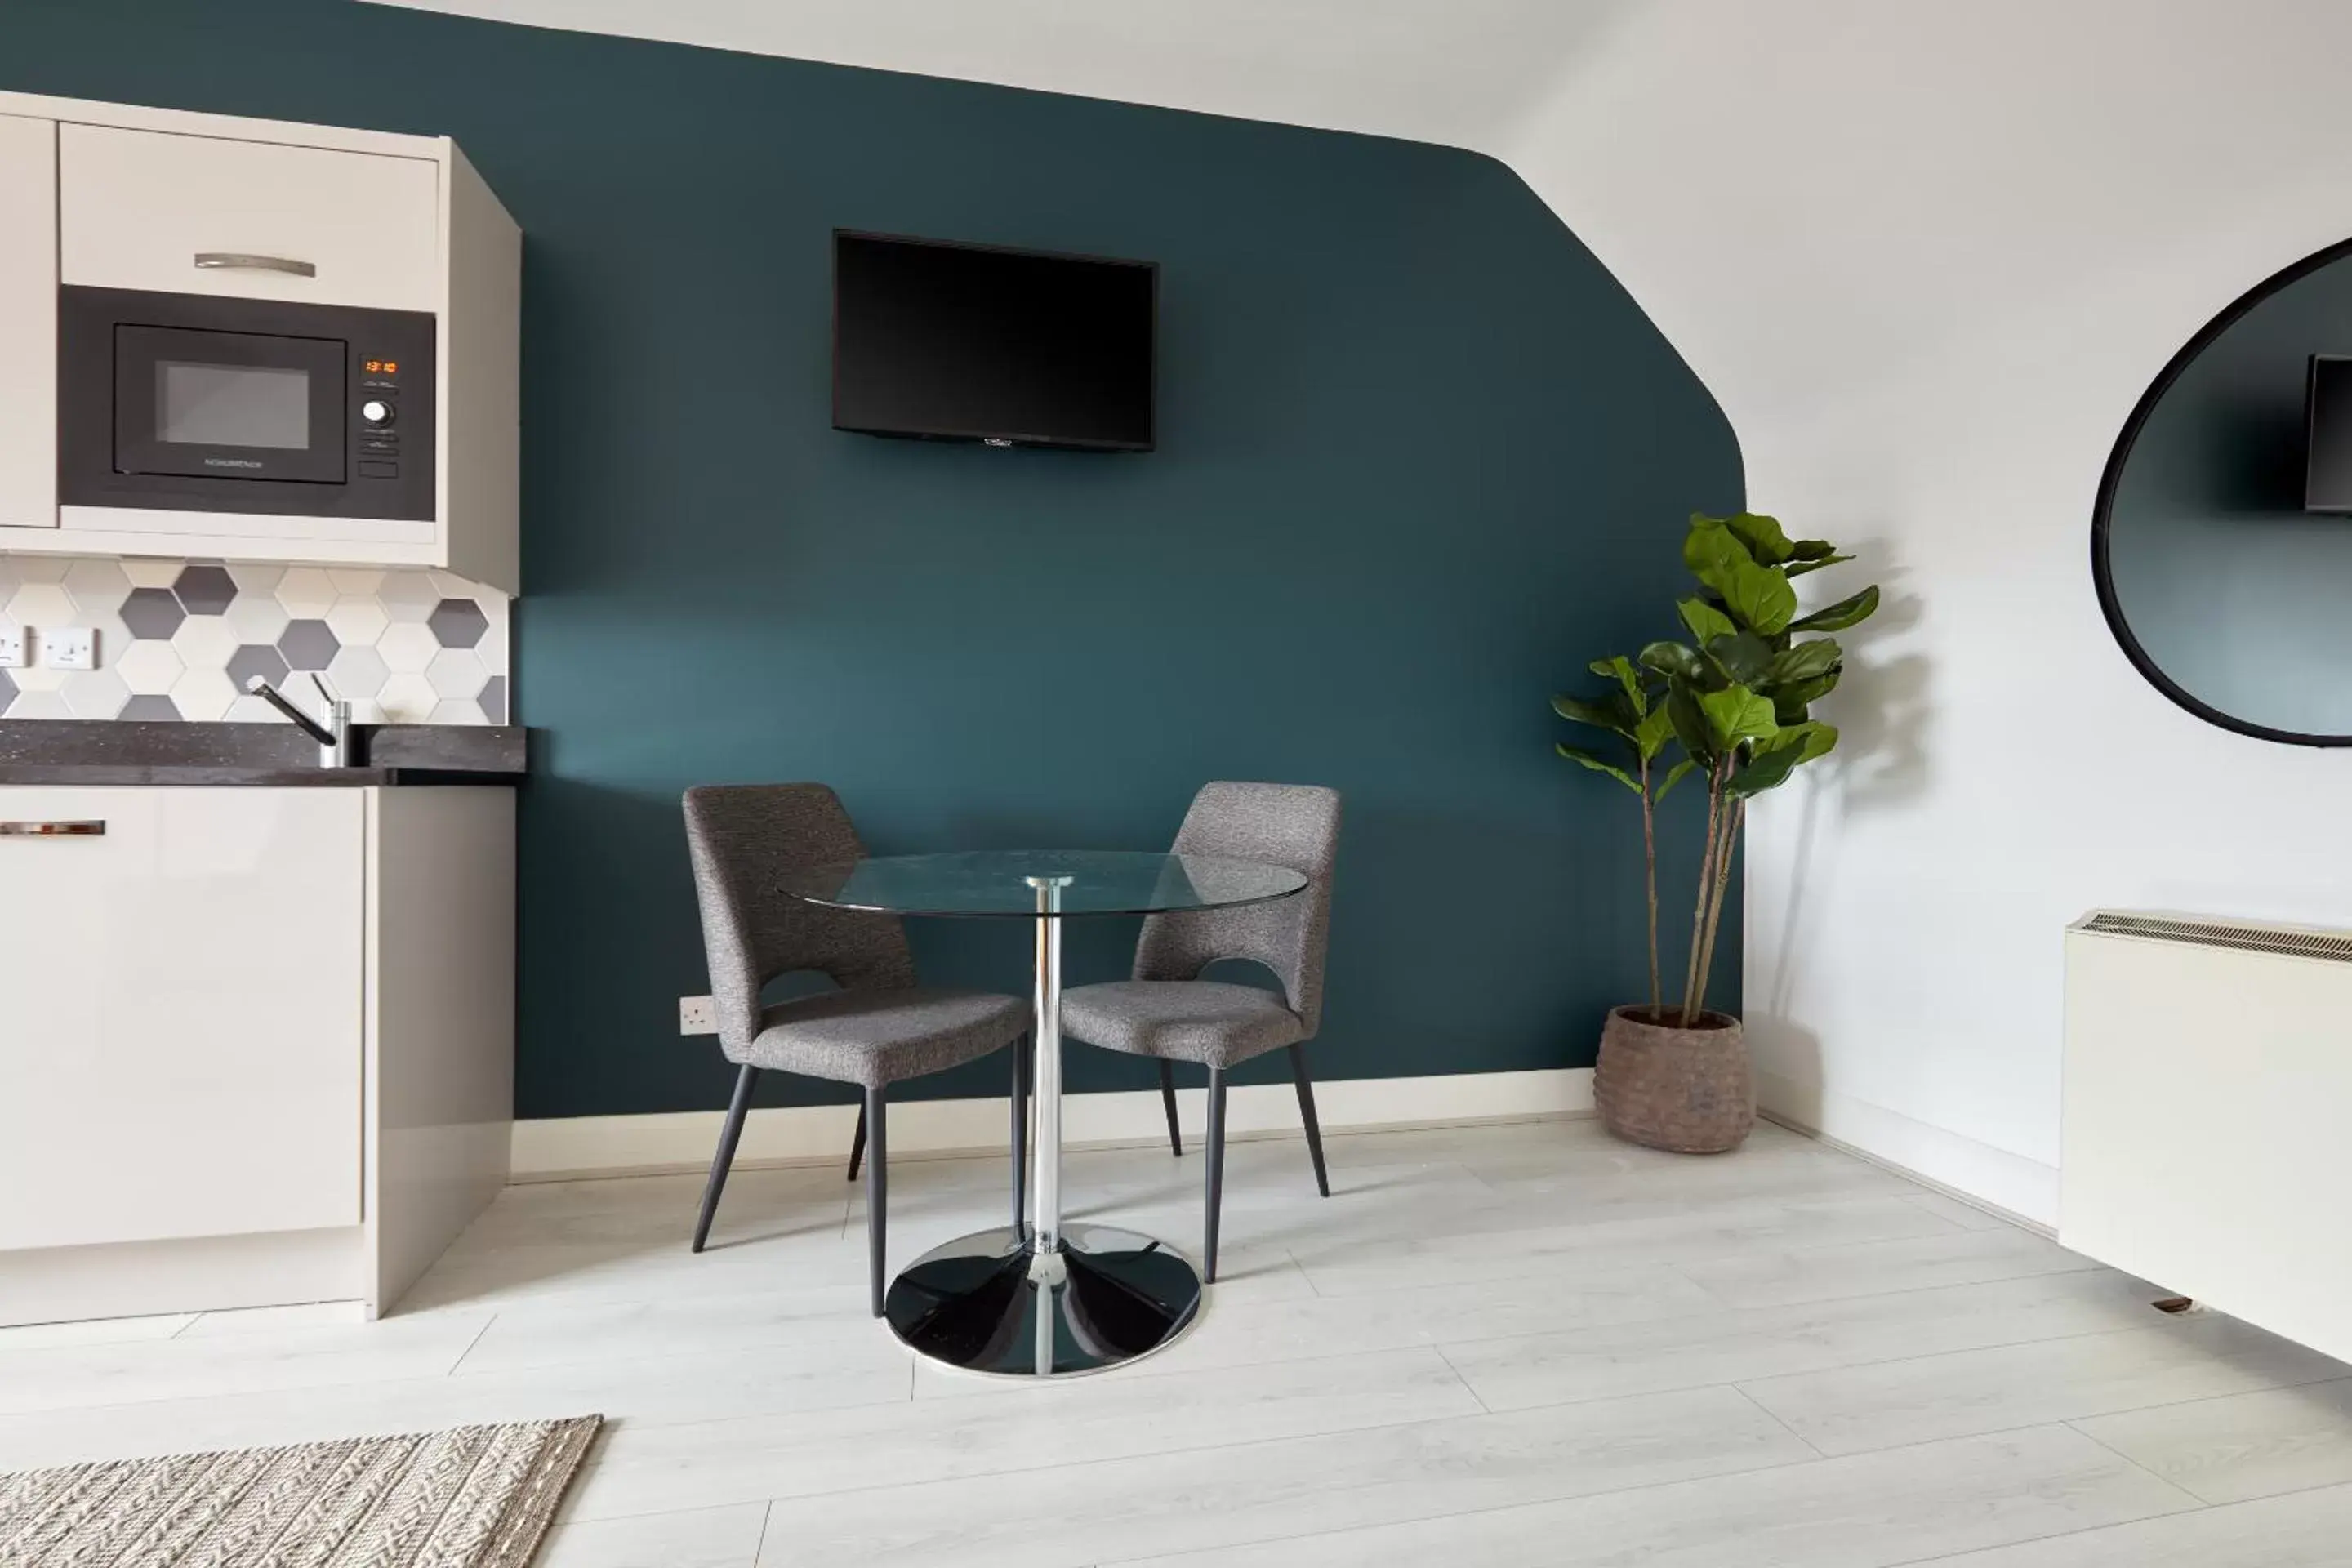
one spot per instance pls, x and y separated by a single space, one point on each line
254 1044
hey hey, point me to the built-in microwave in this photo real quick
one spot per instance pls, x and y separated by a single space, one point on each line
203 403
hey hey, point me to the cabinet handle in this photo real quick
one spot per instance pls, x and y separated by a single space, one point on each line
53 829
238 261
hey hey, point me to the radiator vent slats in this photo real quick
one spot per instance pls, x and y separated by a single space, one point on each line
2204 933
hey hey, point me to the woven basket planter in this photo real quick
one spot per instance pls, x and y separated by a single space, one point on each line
1687 1091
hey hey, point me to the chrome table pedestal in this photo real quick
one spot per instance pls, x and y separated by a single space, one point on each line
1044 1300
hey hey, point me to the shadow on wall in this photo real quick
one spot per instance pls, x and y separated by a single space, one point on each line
1881 764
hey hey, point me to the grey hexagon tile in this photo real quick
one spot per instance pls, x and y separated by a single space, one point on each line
256 658
205 589
307 644
456 672
95 693
458 623
494 700
98 588
357 672
408 596
152 710
153 613
8 690
257 619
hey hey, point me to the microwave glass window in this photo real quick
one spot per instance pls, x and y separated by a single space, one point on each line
232 406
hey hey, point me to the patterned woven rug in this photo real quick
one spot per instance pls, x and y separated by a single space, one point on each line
475 1497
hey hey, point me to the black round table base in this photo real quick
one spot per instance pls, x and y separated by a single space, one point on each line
993 1302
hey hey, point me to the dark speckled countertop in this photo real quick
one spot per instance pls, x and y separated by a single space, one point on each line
110 752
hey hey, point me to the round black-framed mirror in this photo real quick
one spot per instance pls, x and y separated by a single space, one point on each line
2214 579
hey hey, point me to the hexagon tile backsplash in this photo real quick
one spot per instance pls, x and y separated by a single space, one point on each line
179 639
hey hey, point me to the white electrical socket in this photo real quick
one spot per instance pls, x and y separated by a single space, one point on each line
697 1015
12 647
69 647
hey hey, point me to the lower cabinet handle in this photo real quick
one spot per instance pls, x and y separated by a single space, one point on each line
53 829
239 261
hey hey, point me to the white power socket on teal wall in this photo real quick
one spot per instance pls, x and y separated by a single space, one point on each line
697 1015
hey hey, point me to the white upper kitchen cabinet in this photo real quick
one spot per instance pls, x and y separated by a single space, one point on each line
266 232
206 215
28 325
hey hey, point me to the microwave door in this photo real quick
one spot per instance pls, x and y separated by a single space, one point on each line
218 404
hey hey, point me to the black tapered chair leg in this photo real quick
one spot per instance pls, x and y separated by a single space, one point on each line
856 1143
736 1109
878 1192
1168 1101
1021 1048
1217 1173
1306 1114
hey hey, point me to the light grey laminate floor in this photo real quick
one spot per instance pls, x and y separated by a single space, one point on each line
1497 1345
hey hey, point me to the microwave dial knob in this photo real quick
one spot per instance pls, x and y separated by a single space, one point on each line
375 411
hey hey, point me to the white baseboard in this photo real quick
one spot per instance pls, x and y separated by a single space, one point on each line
2010 1185
568 1148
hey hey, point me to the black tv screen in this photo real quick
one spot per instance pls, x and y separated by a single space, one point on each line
974 344
2327 428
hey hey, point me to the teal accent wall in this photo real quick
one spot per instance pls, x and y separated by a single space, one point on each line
1419 458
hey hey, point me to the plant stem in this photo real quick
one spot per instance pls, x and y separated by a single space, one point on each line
1649 881
1706 880
1722 880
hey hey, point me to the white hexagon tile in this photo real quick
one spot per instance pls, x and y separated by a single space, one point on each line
179 639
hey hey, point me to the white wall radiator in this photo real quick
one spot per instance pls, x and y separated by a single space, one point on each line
2206 1140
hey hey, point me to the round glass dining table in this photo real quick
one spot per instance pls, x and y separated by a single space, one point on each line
1041 1298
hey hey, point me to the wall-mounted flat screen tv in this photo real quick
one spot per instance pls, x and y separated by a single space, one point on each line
2327 428
970 343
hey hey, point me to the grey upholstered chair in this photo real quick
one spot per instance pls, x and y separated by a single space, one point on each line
879 1029
1167 1011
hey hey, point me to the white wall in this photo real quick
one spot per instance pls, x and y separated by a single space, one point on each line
1928 257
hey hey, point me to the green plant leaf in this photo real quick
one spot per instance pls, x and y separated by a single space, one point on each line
1673 776
1743 656
1578 754
1758 597
1789 702
1621 669
1762 536
1602 715
1813 549
1711 548
1847 612
1676 662
1736 716
1705 620
1775 759
1690 721
1798 568
1805 661
1651 735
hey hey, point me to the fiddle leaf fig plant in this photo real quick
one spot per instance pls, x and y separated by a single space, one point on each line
1736 699
1643 729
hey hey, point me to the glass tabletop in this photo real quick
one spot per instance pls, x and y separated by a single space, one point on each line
997 882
